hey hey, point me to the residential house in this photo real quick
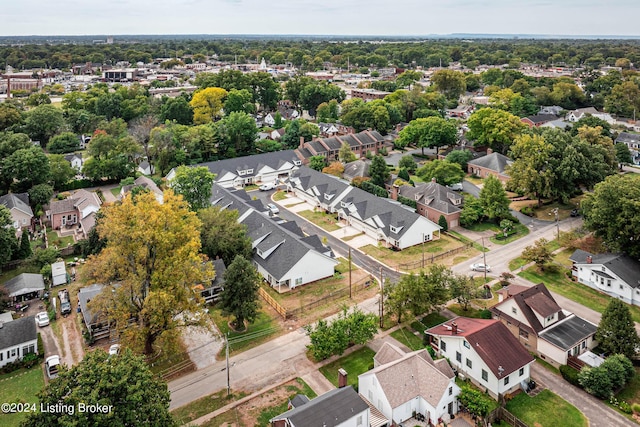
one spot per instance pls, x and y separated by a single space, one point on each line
211 293
84 141
277 134
17 339
146 183
484 351
24 287
461 111
76 212
75 160
382 219
403 384
145 168
575 115
538 120
632 141
342 407
432 201
537 321
550 109
328 129
356 169
360 143
240 171
492 164
21 213
59 274
95 322
556 124
282 254
286 110
617 275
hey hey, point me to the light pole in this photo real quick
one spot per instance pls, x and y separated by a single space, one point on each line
484 260
554 211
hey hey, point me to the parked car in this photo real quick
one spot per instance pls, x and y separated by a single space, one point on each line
52 365
268 186
65 304
114 349
42 319
480 267
455 187
273 209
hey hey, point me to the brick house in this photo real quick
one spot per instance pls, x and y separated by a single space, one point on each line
492 164
77 211
432 201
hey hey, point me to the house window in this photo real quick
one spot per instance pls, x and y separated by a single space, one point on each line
584 344
1 356
299 281
13 352
485 375
450 391
466 344
514 310
359 420
250 171
506 381
458 356
609 284
521 372
469 364
443 345
550 318
524 334
297 162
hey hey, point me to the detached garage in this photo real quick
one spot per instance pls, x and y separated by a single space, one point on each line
59 274
24 287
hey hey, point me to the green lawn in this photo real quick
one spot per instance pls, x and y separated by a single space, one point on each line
521 230
546 410
321 219
185 414
356 363
406 337
413 253
470 312
279 195
60 242
268 413
343 267
431 319
631 393
558 282
20 387
116 191
261 330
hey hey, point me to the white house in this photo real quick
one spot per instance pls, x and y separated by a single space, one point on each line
617 275
575 115
537 321
408 383
75 160
17 339
382 219
484 351
342 407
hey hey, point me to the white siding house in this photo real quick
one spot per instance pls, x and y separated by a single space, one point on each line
17 339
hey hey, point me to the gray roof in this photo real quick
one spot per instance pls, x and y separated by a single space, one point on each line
434 195
494 161
625 137
17 332
568 333
626 268
23 284
542 118
329 410
18 201
84 296
356 168
63 206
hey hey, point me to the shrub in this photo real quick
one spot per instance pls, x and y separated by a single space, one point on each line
625 407
442 222
570 375
527 210
374 189
485 314
636 407
408 202
30 360
40 346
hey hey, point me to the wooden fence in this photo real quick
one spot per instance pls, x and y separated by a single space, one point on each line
273 303
501 413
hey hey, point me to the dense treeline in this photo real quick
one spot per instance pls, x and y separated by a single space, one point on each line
312 54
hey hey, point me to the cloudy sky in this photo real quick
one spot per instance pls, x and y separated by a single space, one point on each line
348 17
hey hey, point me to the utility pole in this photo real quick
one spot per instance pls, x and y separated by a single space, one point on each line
381 299
349 272
422 250
226 339
484 260
555 212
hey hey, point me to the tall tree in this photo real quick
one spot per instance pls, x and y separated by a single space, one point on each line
176 109
152 254
623 155
266 91
239 100
430 132
444 172
494 128
65 142
140 130
538 253
60 170
237 133
408 163
611 212
240 295
345 154
222 235
123 384
194 184
207 104
460 157
317 162
379 171
494 200
450 83
25 168
616 331
43 122
7 236
529 172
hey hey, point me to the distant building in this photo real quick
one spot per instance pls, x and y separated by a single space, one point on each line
492 164
368 94
120 75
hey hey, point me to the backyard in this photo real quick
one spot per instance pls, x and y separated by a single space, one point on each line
356 363
264 328
20 387
324 220
60 242
546 410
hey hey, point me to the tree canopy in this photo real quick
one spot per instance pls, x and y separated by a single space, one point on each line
194 184
444 172
222 235
240 295
616 331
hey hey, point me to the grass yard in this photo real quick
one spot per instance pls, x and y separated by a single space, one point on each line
631 393
185 414
343 267
558 282
431 319
521 230
470 312
477 246
321 219
20 387
60 242
116 191
547 365
474 180
279 195
408 338
413 253
546 410
23 268
356 363
562 258
258 332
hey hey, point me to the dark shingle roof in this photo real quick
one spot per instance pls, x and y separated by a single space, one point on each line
329 410
84 296
23 284
356 168
18 201
542 118
626 268
567 334
494 161
627 137
17 332
434 195
536 298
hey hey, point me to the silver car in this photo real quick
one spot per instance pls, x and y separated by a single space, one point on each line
480 267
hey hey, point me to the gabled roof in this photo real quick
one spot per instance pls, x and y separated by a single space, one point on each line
568 333
17 332
494 161
529 300
623 266
434 195
23 284
329 410
356 168
541 118
412 375
388 353
19 201
62 206
627 137
491 340
84 296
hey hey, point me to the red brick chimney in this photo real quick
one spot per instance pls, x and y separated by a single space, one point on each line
394 192
301 142
342 378
454 328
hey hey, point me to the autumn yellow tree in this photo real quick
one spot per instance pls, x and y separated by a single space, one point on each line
207 104
149 266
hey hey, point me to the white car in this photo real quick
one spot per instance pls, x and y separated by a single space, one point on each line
114 349
42 319
52 366
268 186
456 187
273 209
480 267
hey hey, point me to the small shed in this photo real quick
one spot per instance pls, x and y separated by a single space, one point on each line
24 287
59 274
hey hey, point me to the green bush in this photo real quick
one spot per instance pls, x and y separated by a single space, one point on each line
40 346
30 360
570 375
374 189
625 407
485 314
408 202
527 210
